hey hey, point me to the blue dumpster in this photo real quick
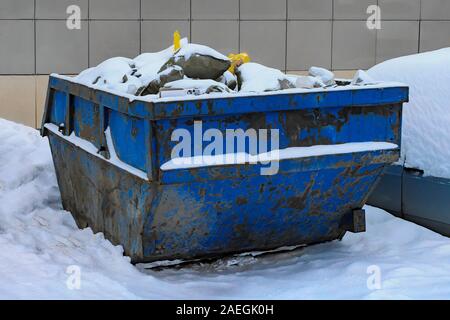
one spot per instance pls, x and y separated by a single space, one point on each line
108 151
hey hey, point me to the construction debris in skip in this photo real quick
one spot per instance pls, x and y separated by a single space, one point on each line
194 69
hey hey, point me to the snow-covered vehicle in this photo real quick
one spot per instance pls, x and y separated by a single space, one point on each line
417 187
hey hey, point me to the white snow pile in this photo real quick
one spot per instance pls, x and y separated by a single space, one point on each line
187 50
40 243
325 76
255 77
426 118
275 155
126 75
115 74
150 73
362 78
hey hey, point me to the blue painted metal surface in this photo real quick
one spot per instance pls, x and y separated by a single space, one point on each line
211 211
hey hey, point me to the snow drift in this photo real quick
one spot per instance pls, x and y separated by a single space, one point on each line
426 118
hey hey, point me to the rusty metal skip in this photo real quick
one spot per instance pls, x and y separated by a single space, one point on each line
211 211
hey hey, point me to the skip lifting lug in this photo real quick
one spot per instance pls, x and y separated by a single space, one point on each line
355 221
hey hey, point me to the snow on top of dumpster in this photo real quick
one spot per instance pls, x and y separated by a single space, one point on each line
150 58
208 73
218 95
189 49
258 78
426 118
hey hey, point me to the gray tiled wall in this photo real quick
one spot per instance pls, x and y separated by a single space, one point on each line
286 34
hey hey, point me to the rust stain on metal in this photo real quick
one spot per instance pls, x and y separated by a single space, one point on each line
241 200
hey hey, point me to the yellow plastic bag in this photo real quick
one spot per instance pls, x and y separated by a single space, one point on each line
237 60
176 41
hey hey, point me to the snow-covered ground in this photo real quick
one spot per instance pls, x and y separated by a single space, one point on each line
39 241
